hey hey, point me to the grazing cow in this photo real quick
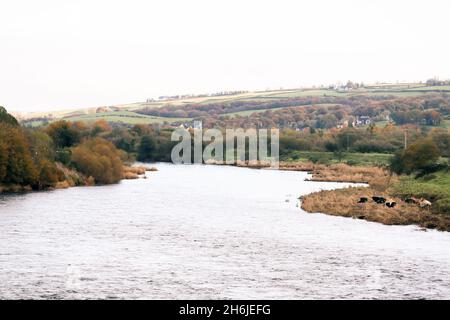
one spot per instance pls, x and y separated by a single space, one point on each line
363 200
424 203
379 200
391 203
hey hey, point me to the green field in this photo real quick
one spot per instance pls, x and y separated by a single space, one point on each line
250 112
352 158
246 113
432 88
445 124
400 90
290 94
127 114
127 117
434 187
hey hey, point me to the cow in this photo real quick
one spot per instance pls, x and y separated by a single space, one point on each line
424 203
391 203
379 200
363 200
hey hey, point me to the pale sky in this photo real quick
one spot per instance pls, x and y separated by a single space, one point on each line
56 54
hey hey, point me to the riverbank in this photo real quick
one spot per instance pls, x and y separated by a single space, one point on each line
68 178
381 183
344 202
338 172
357 202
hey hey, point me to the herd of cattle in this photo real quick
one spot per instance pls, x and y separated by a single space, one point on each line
423 203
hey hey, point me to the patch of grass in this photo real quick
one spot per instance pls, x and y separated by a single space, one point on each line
341 172
127 117
246 113
434 187
431 88
445 124
352 158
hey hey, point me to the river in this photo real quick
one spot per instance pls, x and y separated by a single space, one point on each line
202 232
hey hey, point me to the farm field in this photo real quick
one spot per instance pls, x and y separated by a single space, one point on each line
431 88
252 111
126 112
127 117
353 158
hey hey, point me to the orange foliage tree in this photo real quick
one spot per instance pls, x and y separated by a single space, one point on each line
98 158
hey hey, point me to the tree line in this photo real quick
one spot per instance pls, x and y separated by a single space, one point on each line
42 157
322 112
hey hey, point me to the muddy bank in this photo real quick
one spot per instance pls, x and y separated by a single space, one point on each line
136 172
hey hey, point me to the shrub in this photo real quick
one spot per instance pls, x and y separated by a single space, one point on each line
48 175
63 133
99 159
16 163
147 149
63 156
443 206
420 155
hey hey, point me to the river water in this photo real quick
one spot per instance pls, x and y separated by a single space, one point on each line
201 232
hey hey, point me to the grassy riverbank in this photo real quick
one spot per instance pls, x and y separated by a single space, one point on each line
344 202
434 186
351 158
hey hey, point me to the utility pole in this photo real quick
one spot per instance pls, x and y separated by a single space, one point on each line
406 138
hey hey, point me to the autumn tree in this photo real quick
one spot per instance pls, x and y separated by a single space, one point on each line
98 158
99 127
418 156
16 164
5 117
147 148
63 133
441 137
48 175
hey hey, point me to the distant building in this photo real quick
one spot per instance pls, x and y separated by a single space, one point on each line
362 120
197 125
343 124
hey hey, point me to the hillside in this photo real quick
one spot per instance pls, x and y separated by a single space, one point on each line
250 101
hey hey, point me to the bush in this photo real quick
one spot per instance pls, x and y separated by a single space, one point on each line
16 163
373 146
420 155
443 206
331 146
63 156
147 149
313 158
63 133
99 159
48 175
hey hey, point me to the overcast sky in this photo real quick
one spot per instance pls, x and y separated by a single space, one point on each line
58 54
